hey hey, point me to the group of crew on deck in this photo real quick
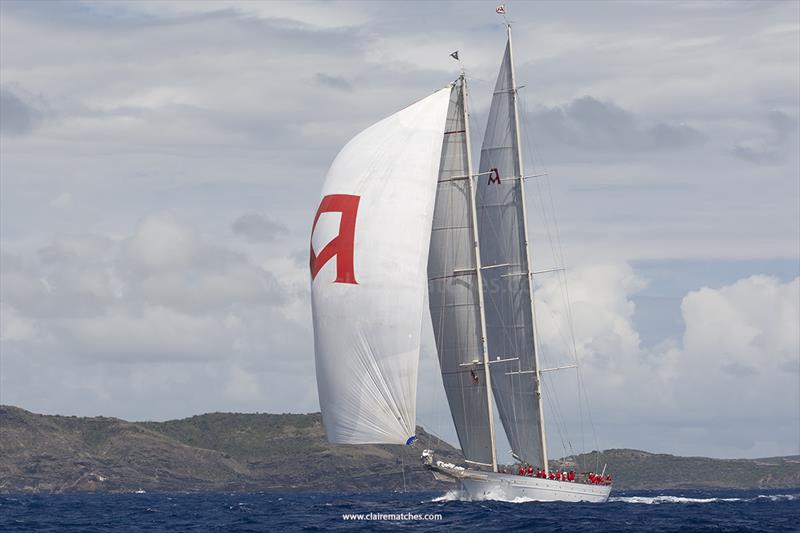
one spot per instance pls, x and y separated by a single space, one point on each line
555 475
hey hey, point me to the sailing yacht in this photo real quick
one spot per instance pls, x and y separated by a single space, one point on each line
402 211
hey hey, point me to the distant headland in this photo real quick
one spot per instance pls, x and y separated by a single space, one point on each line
280 452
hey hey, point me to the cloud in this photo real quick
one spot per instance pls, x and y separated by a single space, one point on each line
166 264
258 228
752 323
335 82
588 123
17 117
778 138
65 278
736 365
175 121
62 201
105 293
147 318
160 244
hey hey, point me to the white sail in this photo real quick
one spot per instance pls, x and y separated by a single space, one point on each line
501 228
453 291
369 251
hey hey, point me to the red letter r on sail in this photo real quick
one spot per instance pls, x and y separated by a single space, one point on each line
342 245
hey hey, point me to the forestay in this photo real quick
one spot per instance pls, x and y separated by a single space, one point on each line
369 251
506 276
453 291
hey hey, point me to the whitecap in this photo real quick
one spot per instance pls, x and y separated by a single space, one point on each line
650 500
778 497
461 496
451 496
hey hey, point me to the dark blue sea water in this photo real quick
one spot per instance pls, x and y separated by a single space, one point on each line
684 511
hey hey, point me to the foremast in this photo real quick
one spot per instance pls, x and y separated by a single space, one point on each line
521 177
477 253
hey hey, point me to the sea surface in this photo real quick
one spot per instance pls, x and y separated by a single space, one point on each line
685 511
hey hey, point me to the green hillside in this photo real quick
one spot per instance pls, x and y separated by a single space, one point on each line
234 451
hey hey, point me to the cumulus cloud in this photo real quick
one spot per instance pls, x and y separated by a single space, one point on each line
162 293
179 313
160 244
167 265
754 323
735 365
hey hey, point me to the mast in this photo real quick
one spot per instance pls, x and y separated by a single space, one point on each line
479 274
538 377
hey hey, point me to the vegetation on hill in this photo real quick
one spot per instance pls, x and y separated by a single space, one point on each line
635 469
234 451
217 451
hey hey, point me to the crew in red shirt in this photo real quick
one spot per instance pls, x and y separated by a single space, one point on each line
571 476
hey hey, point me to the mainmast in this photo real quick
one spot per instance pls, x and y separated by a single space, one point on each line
477 251
521 177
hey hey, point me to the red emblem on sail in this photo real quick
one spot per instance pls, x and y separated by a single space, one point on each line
494 176
342 245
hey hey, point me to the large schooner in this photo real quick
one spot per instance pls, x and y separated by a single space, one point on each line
400 201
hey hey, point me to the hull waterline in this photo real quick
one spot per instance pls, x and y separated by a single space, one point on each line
479 485
508 487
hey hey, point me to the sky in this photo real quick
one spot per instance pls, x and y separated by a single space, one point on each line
161 162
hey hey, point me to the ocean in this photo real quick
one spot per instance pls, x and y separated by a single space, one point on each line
681 510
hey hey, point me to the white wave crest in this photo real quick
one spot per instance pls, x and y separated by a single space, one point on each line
651 500
450 496
778 497
461 496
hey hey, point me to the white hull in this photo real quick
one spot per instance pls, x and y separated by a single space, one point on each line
478 485
509 487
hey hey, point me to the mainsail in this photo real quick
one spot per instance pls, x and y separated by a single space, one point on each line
454 290
507 278
369 250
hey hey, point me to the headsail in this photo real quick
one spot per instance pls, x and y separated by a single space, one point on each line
501 228
453 290
369 249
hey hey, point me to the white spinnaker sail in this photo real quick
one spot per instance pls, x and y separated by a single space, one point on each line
453 292
507 283
369 251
